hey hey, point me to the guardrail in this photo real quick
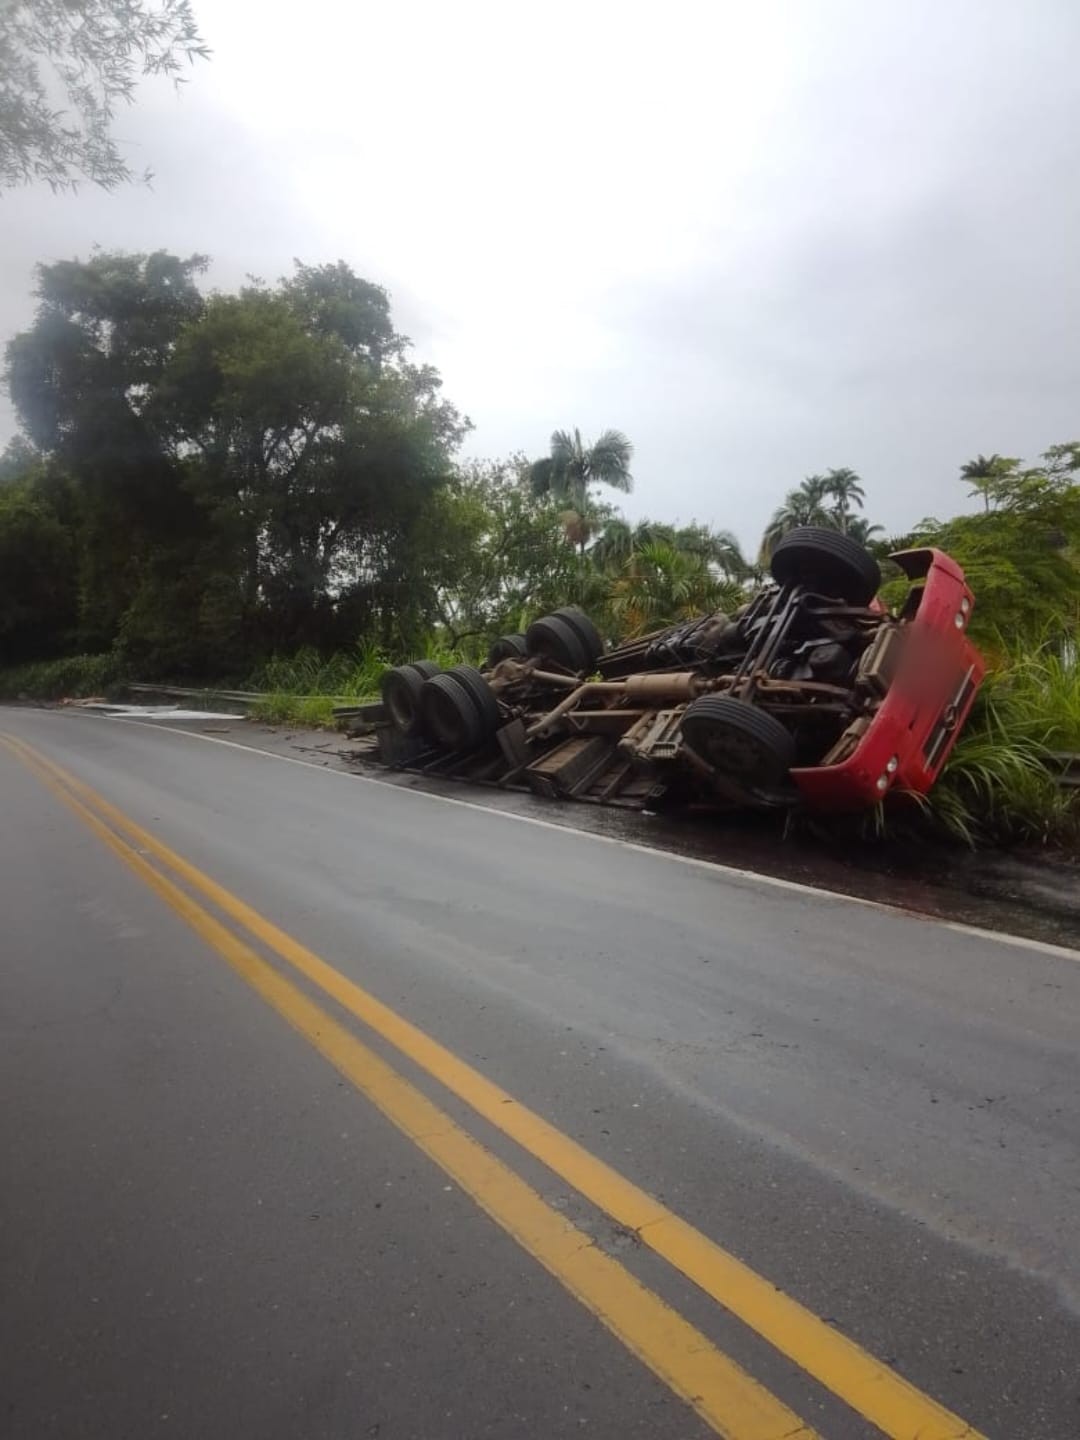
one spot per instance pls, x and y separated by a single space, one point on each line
369 709
184 692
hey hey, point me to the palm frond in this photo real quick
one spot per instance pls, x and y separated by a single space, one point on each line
608 461
565 448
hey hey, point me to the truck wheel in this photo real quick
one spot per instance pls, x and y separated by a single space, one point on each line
449 715
826 561
749 745
553 638
425 668
584 629
507 647
482 695
401 689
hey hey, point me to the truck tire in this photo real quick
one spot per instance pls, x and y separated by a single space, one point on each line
828 562
425 668
739 740
482 695
449 715
554 639
507 647
400 688
585 630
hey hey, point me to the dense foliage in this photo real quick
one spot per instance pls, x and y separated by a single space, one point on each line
230 475
1022 553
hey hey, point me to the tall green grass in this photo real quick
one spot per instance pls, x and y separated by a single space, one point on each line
302 689
998 785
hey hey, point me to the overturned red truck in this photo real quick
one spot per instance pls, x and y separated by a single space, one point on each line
811 694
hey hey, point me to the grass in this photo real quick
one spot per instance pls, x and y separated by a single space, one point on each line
72 676
348 675
314 712
998 786
302 689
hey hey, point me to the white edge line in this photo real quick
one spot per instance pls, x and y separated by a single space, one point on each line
754 877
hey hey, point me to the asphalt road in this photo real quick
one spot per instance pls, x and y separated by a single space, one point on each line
241 1197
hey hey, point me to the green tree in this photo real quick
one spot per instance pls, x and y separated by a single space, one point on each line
490 553
1022 553
38 591
860 529
571 470
247 470
617 540
18 457
985 472
93 50
313 443
719 548
805 505
82 379
660 585
845 489
825 500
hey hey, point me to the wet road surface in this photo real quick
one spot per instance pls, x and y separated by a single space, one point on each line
402 1118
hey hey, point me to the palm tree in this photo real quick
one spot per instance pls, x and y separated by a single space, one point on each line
844 488
613 545
983 471
618 539
804 506
860 529
720 548
660 585
572 467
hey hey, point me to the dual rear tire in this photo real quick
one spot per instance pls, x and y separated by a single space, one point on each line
455 709
568 638
507 647
401 689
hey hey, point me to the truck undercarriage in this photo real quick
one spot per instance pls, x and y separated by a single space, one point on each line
810 693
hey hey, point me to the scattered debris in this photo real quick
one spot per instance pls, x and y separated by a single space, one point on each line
153 712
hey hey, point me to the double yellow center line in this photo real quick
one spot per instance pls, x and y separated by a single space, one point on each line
731 1401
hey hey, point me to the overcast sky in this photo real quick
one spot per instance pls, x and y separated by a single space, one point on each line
761 238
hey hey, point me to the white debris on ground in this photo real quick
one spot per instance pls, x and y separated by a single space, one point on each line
155 712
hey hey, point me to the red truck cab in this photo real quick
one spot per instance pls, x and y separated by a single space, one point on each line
929 673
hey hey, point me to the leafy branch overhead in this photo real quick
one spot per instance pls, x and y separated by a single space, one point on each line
90 52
